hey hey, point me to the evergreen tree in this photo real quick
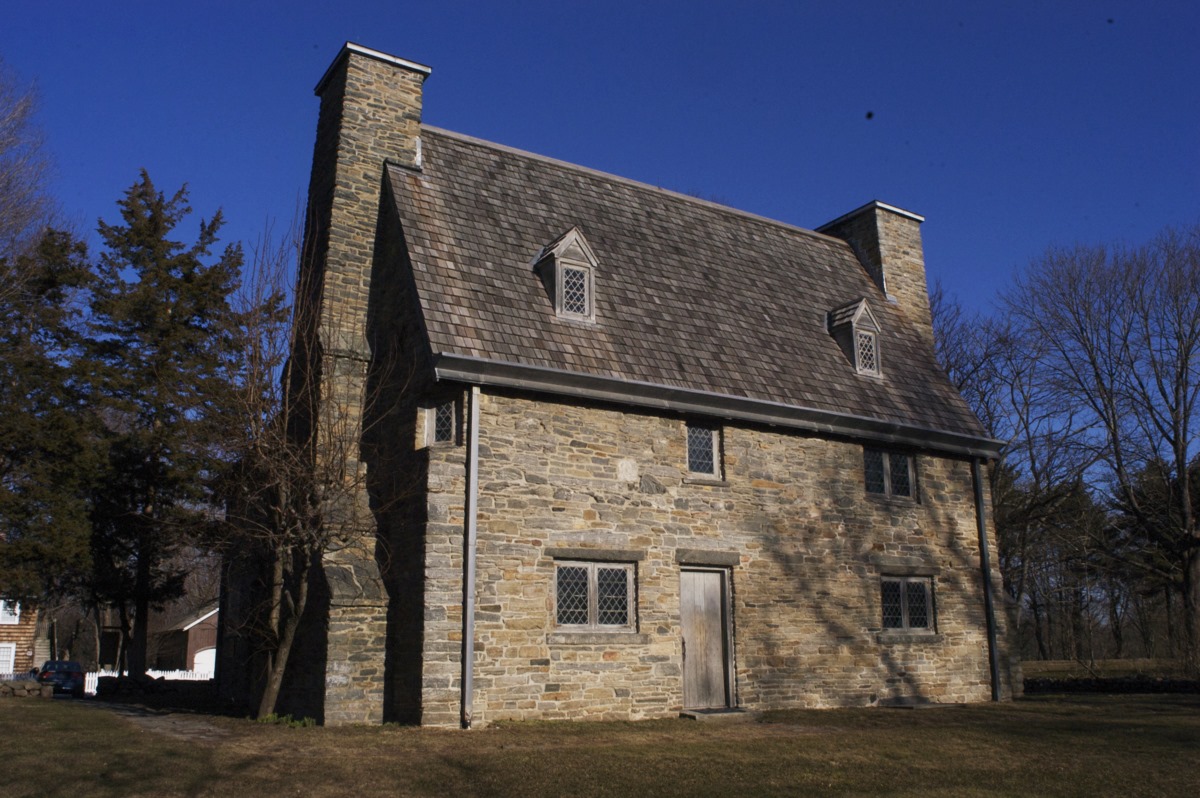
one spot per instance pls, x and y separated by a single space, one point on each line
164 338
47 441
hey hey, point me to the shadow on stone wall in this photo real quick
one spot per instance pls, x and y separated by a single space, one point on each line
864 547
397 470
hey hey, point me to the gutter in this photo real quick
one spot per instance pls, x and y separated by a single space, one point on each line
985 565
469 540
480 371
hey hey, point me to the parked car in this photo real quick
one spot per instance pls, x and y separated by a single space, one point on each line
66 675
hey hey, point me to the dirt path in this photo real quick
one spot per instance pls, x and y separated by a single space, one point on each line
179 725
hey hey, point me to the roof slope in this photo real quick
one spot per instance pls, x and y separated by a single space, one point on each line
688 294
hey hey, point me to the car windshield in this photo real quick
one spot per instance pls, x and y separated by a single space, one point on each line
62 665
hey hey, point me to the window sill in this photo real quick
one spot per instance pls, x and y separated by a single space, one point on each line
597 638
578 321
892 499
701 479
909 637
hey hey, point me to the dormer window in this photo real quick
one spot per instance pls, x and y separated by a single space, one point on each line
867 351
857 333
576 291
567 267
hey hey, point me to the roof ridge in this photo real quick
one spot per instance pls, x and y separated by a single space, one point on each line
631 182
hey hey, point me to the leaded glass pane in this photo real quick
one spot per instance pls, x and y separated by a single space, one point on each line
893 614
443 423
898 470
612 599
572 594
873 469
867 359
918 604
574 291
700 450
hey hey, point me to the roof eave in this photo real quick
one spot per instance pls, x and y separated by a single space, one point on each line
481 371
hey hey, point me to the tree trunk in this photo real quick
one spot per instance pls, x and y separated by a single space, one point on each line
123 646
99 636
286 637
1039 633
141 616
1171 648
1114 624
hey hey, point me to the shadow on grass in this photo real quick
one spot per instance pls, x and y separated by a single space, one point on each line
1057 745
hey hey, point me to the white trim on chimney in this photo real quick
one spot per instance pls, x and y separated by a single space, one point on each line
916 217
351 47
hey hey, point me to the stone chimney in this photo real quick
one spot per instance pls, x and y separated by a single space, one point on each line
370 113
887 241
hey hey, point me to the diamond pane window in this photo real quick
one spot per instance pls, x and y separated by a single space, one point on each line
917 602
572 595
575 291
898 465
596 596
857 332
868 355
702 450
907 603
567 268
893 605
889 473
443 423
873 471
612 599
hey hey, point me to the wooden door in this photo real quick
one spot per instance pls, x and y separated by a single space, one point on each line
705 639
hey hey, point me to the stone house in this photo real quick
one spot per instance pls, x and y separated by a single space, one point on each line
629 452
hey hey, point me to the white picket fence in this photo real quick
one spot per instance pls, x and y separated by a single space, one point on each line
92 679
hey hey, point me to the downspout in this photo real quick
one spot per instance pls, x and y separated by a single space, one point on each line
985 563
468 611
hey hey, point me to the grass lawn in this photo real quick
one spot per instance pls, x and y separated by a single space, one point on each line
1051 745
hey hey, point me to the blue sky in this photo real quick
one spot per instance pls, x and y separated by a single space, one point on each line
1011 126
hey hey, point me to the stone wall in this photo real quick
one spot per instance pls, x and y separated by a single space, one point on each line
25 688
792 512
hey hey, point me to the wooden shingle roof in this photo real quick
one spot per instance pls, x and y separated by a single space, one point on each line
690 297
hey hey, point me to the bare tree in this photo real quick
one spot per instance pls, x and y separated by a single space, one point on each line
25 204
994 365
298 494
1119 349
